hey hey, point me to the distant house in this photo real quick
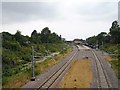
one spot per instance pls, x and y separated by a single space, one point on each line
77 42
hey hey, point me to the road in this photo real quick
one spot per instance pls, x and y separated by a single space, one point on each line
104 76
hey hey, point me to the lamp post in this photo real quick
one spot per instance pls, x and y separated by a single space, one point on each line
33 72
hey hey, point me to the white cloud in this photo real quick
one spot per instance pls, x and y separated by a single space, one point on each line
73 19
26 11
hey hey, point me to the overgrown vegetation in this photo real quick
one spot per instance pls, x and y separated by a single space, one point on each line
115 65
109 42
23 76
16 54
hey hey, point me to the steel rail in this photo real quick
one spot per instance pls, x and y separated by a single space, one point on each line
57 73
101 73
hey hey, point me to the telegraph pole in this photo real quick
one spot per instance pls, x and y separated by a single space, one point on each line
102 44
97 45
33 71
102 47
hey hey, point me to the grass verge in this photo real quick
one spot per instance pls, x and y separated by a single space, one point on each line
115 64
113 60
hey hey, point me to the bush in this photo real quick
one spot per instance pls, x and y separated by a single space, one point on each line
111 48
4 80
9 57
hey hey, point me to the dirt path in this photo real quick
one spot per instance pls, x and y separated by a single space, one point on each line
78 76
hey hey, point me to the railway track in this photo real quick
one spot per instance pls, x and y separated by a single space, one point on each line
102 77
51 79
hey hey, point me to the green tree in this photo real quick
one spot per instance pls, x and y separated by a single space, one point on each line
45 34
9 42
54 38
101 37
19 37
115 33
92 40
34 36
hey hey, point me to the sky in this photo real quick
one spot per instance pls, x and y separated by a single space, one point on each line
69 18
